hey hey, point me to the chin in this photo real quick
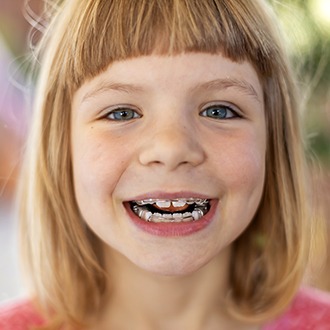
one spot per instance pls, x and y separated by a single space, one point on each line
172 268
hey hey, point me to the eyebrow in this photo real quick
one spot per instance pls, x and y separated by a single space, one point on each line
221 84
106 86
216 84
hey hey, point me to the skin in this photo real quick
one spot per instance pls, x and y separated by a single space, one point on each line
170 146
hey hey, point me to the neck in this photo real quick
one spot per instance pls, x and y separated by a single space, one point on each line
153 301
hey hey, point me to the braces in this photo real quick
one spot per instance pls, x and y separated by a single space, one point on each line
175 202
141 210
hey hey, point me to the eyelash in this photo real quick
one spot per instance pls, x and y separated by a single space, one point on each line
219 112
125 112
216 111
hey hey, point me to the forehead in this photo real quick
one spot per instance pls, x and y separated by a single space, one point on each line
110 31
190 71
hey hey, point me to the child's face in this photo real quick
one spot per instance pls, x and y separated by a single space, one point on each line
172 130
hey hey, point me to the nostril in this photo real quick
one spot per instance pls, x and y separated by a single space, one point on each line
172 149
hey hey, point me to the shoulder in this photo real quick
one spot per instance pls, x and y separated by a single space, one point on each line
310 310
19 315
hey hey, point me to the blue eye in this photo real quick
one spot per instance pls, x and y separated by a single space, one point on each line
123 114
219 112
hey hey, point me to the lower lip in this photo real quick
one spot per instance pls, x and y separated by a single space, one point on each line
171 229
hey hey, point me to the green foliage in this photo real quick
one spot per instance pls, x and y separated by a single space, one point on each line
309 46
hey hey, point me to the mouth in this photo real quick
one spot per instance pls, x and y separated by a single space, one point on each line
170 210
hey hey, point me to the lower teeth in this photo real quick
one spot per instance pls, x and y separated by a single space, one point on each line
145 214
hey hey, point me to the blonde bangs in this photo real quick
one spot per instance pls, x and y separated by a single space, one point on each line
98 33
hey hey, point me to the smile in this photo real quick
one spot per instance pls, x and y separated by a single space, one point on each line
170 210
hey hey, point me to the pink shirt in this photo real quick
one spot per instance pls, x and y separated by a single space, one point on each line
20 315
310 310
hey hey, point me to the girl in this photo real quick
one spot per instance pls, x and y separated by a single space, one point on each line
164 179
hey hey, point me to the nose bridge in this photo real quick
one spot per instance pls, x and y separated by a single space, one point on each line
172 142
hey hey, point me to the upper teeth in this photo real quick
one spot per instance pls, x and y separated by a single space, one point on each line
163 204
166 203
178 203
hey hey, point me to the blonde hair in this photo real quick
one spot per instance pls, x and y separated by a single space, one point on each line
62 256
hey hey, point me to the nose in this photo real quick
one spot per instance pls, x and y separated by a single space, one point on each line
172 147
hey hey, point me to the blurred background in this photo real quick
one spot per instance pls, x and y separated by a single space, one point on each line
15 112
307 27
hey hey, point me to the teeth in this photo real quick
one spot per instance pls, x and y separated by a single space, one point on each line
187 215
147 216
163 204
135 208
145 202
201 201
157 219
197 214
179 203
201 208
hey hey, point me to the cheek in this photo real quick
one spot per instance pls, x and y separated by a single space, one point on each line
247 171
242 166
97 165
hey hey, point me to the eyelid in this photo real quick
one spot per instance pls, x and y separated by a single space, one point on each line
108 110
230 105
238 113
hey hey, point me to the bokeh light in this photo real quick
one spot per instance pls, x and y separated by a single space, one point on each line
321 12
